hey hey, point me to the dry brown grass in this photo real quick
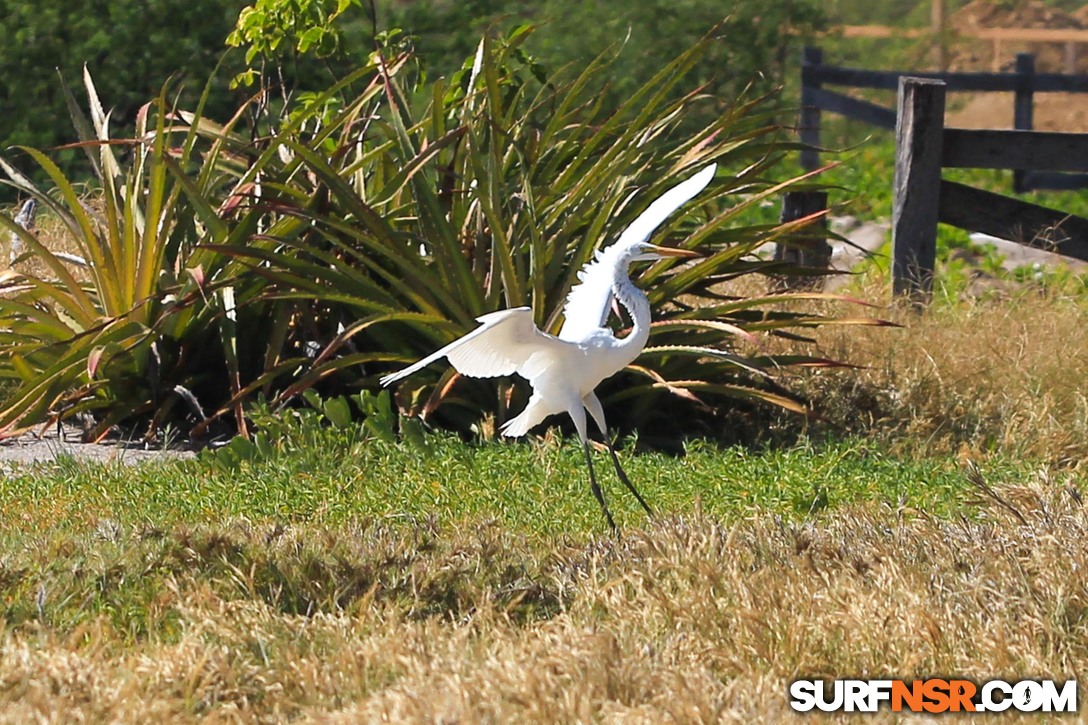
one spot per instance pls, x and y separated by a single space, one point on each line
1004 375
690 620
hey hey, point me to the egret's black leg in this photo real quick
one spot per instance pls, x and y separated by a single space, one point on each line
623 476
597 492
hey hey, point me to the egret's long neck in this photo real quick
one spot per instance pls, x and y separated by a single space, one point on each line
637 305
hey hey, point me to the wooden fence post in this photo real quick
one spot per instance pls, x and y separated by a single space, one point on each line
919 132
809 125
808 247
1023 110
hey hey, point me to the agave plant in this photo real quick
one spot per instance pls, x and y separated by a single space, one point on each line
123 329
147 322
428 206
374 223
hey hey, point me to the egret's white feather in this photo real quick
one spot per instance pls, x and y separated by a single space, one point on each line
535 412
506 342
589 301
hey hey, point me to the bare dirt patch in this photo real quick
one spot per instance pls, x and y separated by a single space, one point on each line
1053 111
974 54
50 443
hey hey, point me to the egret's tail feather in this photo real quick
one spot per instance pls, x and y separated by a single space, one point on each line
388 379
533 414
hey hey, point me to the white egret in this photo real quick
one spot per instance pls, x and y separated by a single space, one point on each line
564 370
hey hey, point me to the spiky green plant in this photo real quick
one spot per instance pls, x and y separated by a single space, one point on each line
124 328
431 204
153 324
373 224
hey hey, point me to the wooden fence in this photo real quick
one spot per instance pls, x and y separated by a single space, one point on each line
1024 83
921 198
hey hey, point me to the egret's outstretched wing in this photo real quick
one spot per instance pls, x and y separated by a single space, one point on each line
505 342
588 302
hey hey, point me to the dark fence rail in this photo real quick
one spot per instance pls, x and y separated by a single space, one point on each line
980 82
922 199
1024 83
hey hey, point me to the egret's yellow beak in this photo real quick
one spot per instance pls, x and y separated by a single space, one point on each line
672 252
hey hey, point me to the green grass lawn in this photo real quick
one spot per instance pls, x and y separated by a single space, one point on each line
538 488
106 538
